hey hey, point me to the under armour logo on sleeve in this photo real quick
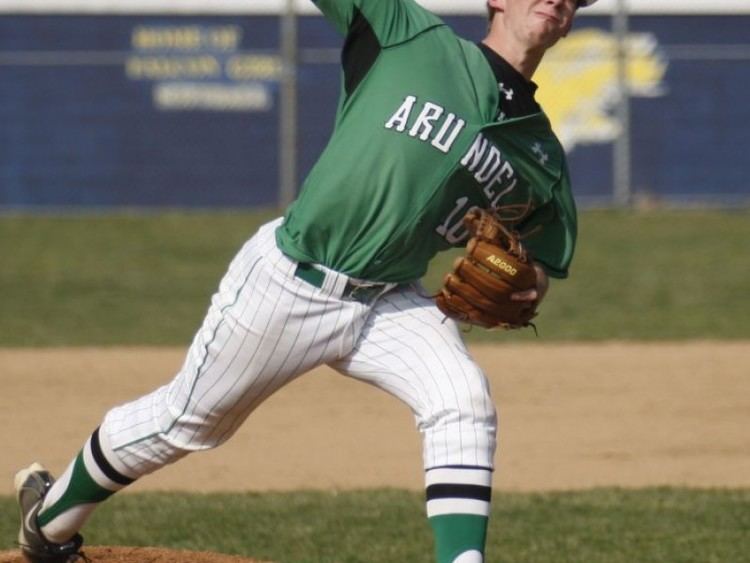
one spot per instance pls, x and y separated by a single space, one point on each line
536 148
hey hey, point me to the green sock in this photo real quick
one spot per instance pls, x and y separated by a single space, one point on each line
458 508
81 489
457 534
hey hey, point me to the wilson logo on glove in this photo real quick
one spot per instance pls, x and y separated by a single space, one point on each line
502 264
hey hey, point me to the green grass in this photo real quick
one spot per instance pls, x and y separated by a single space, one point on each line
147 279
596 526
113 279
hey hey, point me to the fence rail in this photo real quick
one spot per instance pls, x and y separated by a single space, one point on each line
92 117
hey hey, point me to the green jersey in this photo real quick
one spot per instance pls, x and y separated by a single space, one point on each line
418 140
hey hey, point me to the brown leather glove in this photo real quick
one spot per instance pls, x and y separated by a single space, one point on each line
496 265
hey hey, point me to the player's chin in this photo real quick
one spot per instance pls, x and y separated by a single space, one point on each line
547 42
545 34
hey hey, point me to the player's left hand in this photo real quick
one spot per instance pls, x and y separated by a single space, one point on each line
534 295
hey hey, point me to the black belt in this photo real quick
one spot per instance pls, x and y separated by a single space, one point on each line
365 293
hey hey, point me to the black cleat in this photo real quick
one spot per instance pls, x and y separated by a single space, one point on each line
32 485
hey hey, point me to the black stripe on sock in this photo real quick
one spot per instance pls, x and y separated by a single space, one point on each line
111 473
478 467
451 490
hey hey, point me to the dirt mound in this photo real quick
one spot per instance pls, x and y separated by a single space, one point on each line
107 554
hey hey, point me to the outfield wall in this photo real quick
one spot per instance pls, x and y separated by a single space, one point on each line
106 104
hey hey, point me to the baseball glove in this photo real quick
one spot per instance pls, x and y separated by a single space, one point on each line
495 265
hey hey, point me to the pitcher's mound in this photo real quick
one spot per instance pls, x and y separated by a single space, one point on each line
105 554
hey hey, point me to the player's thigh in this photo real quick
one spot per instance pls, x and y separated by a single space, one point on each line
264 327
277 328
409 350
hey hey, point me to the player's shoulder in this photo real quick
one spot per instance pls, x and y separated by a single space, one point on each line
472 52
397 21
477 65
408 9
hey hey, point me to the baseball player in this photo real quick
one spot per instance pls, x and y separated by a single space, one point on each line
428 125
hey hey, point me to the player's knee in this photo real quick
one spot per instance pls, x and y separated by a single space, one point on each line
461 432
474 406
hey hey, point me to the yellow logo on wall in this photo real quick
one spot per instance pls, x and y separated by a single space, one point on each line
578 83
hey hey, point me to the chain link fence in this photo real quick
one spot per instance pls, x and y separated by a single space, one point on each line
232 109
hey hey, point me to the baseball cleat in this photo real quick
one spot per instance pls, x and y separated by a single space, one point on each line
32 485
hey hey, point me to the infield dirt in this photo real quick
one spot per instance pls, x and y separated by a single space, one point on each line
572 416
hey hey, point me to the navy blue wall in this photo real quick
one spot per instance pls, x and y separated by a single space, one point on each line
76 128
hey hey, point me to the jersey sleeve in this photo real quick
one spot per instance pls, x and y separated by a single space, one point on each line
392 21
553 243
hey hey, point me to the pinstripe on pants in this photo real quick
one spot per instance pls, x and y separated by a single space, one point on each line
265 327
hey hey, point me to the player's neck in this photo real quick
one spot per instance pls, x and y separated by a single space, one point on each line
520 57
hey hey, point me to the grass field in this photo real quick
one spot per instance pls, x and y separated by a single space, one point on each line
147 279
598 526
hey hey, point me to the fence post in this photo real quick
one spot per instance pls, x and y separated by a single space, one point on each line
621 165
288 107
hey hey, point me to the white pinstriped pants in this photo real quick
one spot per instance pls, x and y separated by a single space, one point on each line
265 327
